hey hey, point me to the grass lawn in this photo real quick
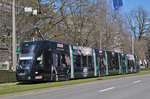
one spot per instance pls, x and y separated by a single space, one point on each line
10 88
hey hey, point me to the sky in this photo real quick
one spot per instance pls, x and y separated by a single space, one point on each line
128 5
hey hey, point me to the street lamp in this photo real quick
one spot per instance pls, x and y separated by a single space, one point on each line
13 35
27 9
132 43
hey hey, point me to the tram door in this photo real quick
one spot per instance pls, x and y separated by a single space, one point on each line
123 63
101 65
137 64
60 65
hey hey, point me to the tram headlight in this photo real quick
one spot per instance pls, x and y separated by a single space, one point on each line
29 78
38 77
36 72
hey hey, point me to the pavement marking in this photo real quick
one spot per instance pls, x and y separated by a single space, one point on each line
137 81
107 89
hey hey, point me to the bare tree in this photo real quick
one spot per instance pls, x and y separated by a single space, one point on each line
89 23
138 22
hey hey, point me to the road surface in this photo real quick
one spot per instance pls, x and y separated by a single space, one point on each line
137 87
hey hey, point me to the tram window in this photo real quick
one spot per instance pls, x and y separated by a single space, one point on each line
90 61
129 65
132 63
55 59
47 59
63 60
58 60
116 62
84 61
97 61
77 61
113 62
102 61
39 61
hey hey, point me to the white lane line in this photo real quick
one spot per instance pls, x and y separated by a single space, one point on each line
107 89
137 81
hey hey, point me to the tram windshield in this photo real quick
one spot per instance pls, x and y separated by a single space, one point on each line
26 55
25 64
28 48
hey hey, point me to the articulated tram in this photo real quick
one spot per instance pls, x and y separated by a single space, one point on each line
55 61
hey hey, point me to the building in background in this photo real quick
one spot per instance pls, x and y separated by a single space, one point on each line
5 33
4 58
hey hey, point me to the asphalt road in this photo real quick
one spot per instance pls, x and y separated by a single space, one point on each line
137 87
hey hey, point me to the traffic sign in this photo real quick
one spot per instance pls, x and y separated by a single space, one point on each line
117 4
28 9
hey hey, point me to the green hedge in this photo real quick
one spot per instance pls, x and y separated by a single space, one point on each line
144 69
7 76
10 76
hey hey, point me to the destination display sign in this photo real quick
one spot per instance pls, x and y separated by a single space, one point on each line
78 50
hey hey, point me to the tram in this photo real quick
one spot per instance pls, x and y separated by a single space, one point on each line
54 61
